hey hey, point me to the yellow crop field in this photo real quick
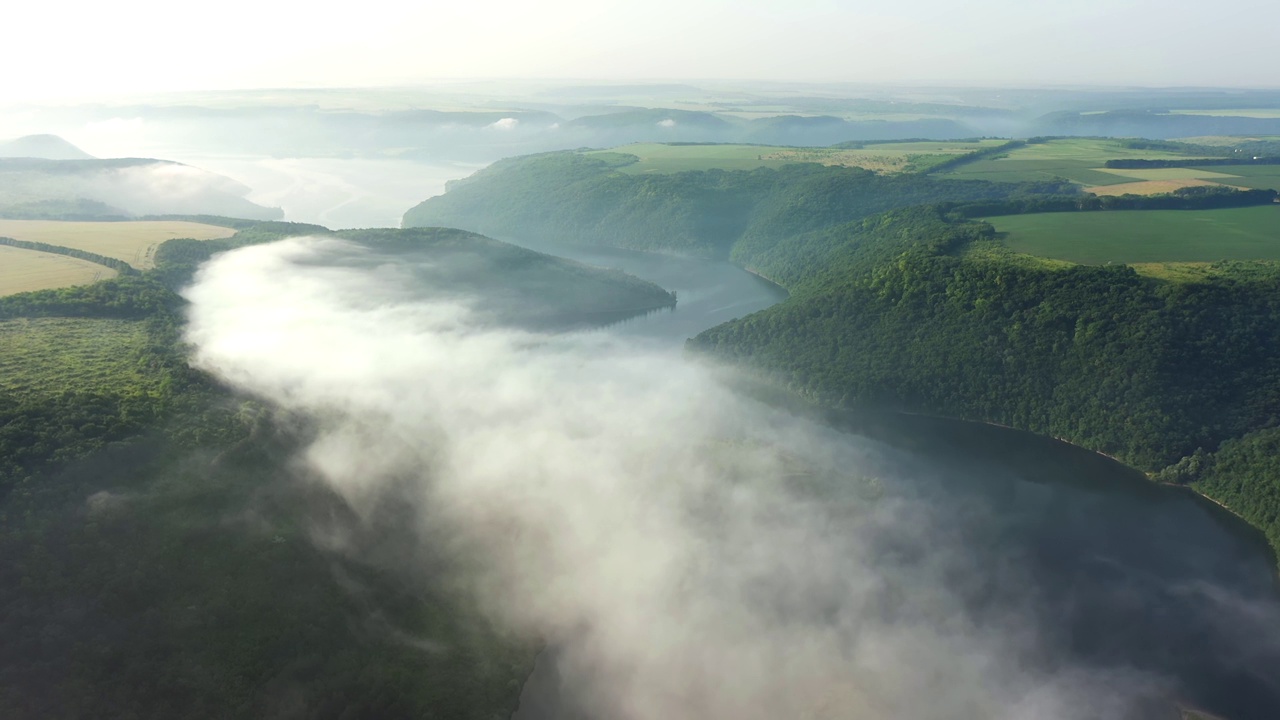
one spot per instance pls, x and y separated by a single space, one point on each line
133 242
26 270
1147 187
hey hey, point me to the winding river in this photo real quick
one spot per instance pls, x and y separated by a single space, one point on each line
1133 574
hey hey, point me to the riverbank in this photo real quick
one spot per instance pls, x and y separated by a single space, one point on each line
1243 525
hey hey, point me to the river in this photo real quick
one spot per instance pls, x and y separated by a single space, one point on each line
1129 574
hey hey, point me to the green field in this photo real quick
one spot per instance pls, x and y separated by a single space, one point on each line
1079 160
1090 150
1218 173
882 157
1146 236
1002 170
46 356
1250 176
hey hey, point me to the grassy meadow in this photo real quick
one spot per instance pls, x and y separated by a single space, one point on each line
1094 151
879 157
133 242
46 356
26 270
1146 236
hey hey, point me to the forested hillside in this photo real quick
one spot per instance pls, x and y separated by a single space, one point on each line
161 555
579 198
920 309
913 311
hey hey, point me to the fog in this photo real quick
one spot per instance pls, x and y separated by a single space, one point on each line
347 158
337 193
169 188
691 553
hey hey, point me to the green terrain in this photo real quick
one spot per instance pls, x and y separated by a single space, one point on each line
882 157
1080 160
899 301
159 551
1147 236
145 510
1098 163
585 198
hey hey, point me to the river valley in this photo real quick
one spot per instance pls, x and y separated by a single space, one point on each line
1115 574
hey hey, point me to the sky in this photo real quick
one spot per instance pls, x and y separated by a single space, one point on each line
73 49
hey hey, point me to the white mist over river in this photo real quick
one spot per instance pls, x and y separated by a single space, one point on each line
338 193
695 554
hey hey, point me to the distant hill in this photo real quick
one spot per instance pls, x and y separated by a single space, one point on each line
91 189
48 147
828 130
1152 124
643 117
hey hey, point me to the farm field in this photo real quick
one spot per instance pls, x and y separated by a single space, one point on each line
26 270
1079 160
1153 181
1162 180
133 242
1262 177
1147 187
1186 173
1146 236
49 355
1089 150
885 157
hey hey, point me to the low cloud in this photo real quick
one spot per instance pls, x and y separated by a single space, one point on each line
505 124
692 554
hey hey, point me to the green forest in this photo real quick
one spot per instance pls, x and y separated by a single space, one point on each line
901 301
145 511
581 198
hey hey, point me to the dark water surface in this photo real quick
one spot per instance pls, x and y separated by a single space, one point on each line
1127 574
709 292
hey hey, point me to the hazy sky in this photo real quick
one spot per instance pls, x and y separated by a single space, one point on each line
60 48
